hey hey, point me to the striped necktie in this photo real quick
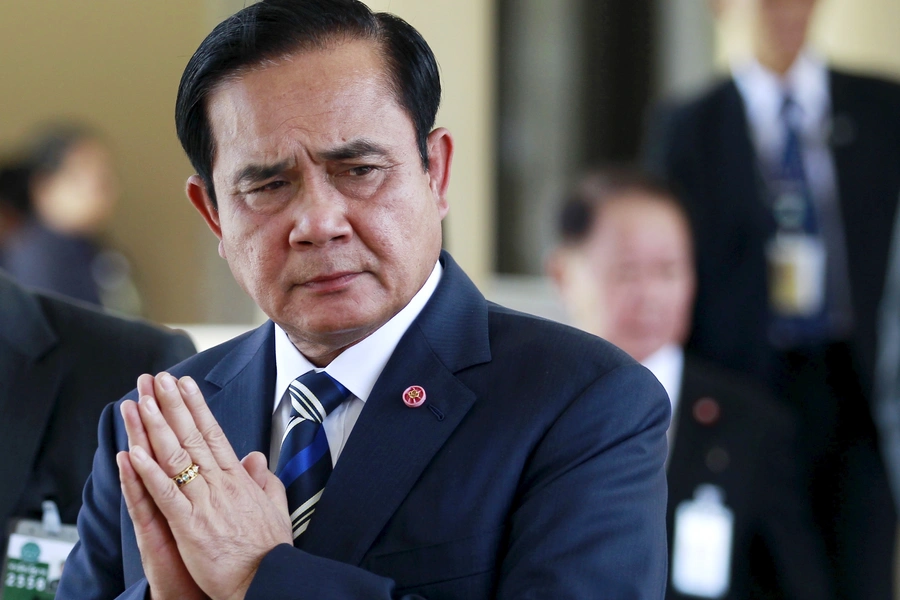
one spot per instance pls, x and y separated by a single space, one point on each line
305 460
794 207
795 212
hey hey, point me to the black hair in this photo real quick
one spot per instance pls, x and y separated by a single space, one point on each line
52 142
15 178
597 187
271 29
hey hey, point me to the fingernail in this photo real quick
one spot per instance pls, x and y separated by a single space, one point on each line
150 404
167 382
189 385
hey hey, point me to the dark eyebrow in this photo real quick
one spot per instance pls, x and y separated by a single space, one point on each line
252 173
354 149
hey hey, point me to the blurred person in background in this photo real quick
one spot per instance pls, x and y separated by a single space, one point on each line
624 269
14 203
74 190
790 172
60 364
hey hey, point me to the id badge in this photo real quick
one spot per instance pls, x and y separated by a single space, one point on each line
701 552
796 264
35 558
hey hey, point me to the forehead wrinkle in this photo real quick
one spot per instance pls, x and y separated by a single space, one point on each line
312 124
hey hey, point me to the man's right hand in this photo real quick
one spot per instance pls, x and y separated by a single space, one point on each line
164 568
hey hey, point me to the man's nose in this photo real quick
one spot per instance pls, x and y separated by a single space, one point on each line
648 289
320 217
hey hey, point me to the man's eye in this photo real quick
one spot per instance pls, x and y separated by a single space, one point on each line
269 187
360 171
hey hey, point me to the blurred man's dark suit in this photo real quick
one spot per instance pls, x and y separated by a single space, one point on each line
60 364
744 444
704 150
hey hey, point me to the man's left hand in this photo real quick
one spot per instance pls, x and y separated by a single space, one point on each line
227 518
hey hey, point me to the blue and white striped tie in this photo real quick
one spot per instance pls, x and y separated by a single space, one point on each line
305 460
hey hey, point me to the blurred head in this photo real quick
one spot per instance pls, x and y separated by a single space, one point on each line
624 267
272 30
74 186
780 31
310 121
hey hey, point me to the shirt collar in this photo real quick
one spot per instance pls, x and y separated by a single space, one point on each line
359 366
667 364
763 90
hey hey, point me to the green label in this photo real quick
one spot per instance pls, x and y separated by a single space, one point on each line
27 581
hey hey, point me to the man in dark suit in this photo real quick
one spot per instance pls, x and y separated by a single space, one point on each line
60 364
789 170
450 448
624 270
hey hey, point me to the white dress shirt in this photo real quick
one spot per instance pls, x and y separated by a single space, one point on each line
667 365
807 82
357 368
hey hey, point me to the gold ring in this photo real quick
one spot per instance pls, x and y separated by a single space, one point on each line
187 476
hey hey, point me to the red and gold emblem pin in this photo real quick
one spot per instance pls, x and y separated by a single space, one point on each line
414 396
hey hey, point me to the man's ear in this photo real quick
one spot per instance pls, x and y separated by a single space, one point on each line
197 193
440 155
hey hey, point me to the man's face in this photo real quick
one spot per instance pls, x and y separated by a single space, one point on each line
325 213
80 197
632 281
782 25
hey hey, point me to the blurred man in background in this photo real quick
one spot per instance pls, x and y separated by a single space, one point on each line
60 364
789 170
625 272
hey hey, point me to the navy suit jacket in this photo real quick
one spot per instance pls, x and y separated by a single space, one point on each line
703 149
535 468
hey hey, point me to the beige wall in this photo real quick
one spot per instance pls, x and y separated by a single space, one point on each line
862 34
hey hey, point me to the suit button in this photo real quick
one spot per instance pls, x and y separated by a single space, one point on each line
706 411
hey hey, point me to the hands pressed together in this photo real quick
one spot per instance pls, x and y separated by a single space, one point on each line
204 538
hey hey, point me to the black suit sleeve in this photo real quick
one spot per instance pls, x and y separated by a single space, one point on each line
172 350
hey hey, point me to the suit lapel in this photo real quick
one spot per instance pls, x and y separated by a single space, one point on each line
243 405
850 167
392 444
31 369
741 165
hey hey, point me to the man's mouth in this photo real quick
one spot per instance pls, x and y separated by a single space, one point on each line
331 282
